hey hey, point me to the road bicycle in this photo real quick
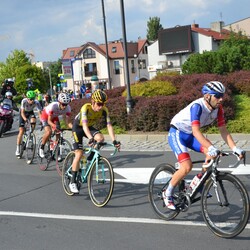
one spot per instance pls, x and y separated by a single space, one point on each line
98 173
28 143
224 198
55 151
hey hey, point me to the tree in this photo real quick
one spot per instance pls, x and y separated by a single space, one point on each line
154 27
14 61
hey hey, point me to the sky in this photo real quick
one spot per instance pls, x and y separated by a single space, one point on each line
45 28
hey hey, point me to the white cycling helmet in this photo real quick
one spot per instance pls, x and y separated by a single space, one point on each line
8 94
64 98
213 87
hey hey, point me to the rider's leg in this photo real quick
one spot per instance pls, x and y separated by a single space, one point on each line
98 136
33 123
19 140
46 136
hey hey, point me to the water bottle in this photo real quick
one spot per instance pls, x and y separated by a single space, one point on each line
195 182
83 163
52 144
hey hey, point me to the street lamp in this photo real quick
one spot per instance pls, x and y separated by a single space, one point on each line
50 83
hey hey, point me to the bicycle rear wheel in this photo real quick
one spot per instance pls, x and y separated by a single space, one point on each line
158 183
228 218
30 148
44 162
101 182
66 172
61 152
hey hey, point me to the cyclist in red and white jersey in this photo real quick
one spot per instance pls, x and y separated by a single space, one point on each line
50 118
185 133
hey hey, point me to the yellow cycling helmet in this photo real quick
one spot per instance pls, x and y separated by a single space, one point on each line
99 96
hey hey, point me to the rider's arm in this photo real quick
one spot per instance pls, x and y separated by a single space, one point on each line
86 130
23 115
50 122
111 131
227 137
68 122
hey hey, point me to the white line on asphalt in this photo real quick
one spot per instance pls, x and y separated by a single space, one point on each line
142 175
102 219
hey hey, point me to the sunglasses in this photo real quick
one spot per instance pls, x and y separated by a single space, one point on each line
31 99
218 95
64 104
100 104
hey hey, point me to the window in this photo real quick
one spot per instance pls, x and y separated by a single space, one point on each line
90 69
142 63
132 66
113 49
89 53
72 53
117 68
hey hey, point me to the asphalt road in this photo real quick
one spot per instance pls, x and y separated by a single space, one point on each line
35 213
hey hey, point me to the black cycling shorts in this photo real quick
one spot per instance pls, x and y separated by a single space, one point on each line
78 135
28 115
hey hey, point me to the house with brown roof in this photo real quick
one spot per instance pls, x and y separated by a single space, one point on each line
175 45
81 64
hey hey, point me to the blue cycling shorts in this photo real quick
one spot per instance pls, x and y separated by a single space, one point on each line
180 142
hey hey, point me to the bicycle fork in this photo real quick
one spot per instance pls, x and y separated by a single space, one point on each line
215 186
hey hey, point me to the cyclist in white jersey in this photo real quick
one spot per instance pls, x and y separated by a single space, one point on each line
50 120
185 133
28 105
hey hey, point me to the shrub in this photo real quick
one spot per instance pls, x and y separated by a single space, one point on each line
152 88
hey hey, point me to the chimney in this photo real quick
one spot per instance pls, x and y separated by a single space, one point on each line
195 25
217 26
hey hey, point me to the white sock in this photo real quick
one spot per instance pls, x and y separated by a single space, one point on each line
169 190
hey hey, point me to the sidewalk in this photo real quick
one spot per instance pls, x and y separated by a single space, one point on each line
159 142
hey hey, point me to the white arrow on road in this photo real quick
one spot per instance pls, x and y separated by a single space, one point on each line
142 175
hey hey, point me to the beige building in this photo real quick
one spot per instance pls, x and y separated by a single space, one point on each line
241 25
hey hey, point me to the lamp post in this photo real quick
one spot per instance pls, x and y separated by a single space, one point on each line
72 72
50 82
129 98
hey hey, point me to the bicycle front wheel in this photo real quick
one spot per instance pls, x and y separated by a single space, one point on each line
61 152
225 205
158 183
66 172
30 148
101 182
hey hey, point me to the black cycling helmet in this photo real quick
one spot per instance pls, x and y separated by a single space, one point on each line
99 96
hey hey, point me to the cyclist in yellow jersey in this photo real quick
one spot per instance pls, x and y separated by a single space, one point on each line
83 126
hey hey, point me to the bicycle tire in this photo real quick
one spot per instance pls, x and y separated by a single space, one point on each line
66 172
158 182
44 162
65 150
228 219
101 182
30 148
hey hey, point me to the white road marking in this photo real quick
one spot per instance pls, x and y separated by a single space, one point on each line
103 219
142 175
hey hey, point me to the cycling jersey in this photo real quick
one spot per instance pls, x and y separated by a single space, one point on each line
180 137
28 107
88 115
53 110
197 113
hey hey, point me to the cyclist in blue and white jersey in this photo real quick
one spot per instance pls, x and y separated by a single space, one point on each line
185 133
28 105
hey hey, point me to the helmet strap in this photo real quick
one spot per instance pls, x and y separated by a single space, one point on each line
208 100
